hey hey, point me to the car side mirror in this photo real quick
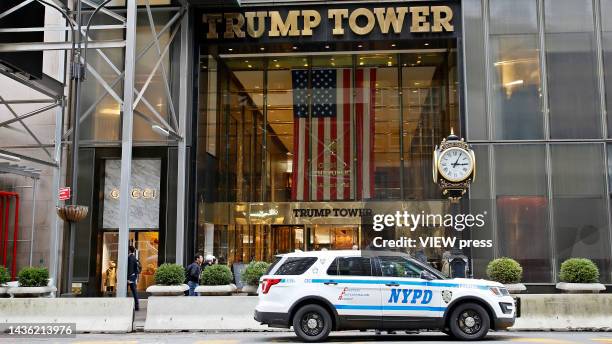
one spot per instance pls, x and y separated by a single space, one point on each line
426 275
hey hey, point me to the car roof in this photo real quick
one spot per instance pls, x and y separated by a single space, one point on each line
343 253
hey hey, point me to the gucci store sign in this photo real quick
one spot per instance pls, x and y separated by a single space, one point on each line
144 200
136 193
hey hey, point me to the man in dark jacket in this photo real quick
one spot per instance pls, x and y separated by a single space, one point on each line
132 274
193 273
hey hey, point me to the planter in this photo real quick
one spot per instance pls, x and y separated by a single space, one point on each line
216 290
168 290
31 291
515 288
580 288
249 289
72 213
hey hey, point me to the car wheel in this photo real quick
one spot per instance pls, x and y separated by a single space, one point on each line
312 323
469 321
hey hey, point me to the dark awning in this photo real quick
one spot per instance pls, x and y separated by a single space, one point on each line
215 3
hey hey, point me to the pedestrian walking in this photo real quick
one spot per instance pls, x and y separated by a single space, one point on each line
209 260
193 273
132 274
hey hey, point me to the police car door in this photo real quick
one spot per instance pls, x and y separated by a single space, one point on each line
407 300
353 290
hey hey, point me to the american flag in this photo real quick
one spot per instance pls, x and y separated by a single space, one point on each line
327 139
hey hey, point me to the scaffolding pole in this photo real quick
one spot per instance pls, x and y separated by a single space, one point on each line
126 149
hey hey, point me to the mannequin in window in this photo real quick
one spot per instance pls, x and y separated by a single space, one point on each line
111 277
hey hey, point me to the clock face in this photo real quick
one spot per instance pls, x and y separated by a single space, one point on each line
455 164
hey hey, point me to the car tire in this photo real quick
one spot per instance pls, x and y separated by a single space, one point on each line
312 323
469 321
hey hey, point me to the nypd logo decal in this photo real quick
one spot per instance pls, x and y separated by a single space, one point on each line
447 295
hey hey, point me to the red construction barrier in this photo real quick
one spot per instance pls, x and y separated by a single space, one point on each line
5 207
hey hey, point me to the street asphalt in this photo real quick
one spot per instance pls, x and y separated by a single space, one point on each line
337 337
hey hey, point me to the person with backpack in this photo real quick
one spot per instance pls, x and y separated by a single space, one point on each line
193 273
132 274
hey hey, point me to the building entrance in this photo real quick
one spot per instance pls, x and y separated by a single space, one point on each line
287 239
314 237
333 237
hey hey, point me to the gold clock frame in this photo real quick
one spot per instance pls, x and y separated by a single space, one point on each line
454 189
468 152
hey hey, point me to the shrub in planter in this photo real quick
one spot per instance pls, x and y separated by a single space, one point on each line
579 275
251 275
217 275
253 272
216 280
579 270
4 275
33 277
169 274
508 272
33 282
505 270
4 278
169 281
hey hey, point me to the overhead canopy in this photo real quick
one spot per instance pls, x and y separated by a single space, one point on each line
215 3
6 167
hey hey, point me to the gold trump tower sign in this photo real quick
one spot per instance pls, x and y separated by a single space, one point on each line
300 23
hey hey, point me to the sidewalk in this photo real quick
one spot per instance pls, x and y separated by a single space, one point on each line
140 316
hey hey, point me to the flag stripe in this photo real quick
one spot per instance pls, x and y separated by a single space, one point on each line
359 136
333 158
372 105
295 173
365 179
349 116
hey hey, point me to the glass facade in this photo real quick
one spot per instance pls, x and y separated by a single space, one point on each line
351 123
319 129
278 140
538 125
528 91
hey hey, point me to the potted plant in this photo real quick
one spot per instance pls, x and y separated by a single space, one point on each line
216 280
5 277
169 281
33 282
251 275
508 272
579 275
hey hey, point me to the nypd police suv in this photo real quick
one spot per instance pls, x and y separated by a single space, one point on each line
317 292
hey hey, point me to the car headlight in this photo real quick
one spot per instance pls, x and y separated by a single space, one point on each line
499 291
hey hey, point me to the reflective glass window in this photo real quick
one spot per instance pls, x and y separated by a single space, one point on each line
475 85
579 205
481 203
378 127
515 70
522 208
573 88
429 111
606 41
